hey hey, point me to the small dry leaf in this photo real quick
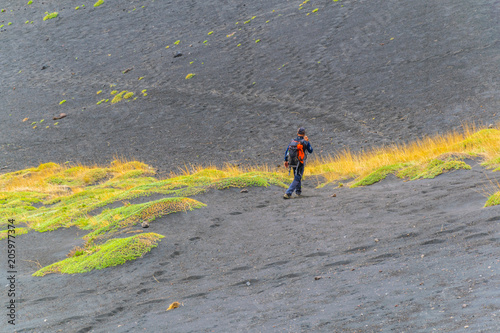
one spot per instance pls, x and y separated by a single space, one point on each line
60 116
25 119
174 305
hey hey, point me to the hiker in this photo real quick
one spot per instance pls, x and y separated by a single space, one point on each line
295 158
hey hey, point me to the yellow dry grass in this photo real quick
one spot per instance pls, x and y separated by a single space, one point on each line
42 179
227 170
471 141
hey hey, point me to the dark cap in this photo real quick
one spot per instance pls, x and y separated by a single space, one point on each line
301 130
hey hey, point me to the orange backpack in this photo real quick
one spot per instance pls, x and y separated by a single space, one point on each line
296 153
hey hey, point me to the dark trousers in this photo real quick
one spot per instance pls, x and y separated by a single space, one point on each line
296 185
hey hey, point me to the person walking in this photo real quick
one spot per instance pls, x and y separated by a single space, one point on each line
295 158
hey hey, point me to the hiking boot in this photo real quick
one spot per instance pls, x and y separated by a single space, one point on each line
287 196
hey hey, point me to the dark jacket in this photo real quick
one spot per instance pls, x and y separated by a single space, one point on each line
307 146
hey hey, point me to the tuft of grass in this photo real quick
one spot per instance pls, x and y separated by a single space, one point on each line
112 221
112 253
493 200
118 97
377 175
98 3
190 75
434 168
128 95
19 231
50 16
62 102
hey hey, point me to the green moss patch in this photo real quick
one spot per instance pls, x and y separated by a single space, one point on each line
111 221
377 175
50 16
434 168
112 253
19 231
493 200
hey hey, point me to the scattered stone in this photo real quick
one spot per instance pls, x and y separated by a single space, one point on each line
464 305
316 278
248 283
334 195
376 239
244 190
60 116
178 54
44 67
490 126
145 224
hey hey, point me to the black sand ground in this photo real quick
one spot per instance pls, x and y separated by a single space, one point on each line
355 73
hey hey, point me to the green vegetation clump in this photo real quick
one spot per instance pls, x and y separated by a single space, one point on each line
112 253
51 196
19 231
118 97
493 200
98 3
128 95
434 168
50 16
119 219
377 175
